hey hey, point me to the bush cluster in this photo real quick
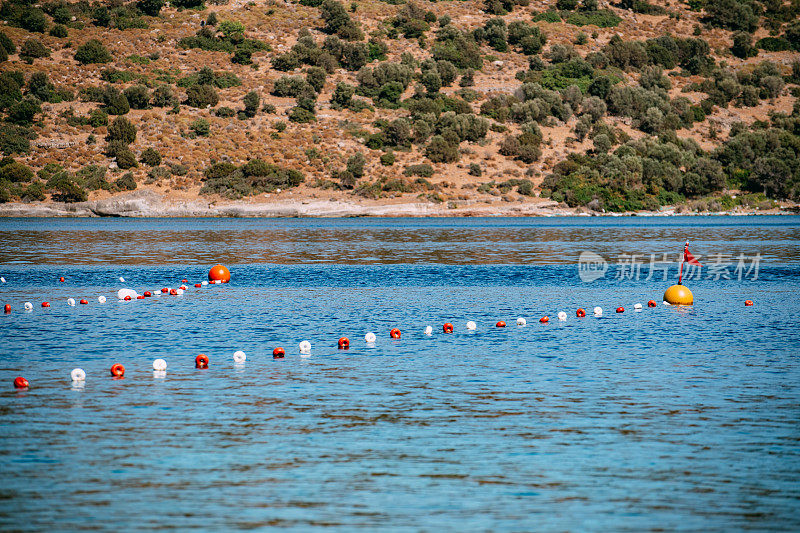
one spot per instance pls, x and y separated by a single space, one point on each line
254 177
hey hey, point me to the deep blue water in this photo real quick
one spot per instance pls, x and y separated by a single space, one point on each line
669 418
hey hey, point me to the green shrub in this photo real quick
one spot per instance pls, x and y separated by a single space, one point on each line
150 157
301 115
163 96
150 7
7 44
24 111
126 182
126 159
138 97
92 51
201 96
201 127
387 159
423 170
93 178
33 20
122 130
16 172
251 103
66 189
338 21
33 49
59 31
115 102
772 44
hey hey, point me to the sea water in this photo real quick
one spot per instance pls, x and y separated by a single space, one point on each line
669 418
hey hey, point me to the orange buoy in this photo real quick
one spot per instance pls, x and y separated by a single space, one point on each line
7 308
148 294
447 327
278 353
117 370
620 309
201 361
219 273
197 285
501 324
84 302
651 303
344 343
544 319
21 383
45 304
164 290
394 333
748 302
61 279
580 313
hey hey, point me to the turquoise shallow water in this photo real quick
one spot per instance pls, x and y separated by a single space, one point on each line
679 419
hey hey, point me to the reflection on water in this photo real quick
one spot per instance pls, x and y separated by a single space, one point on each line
384 241
672 419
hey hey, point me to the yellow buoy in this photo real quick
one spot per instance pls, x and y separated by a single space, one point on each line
678 295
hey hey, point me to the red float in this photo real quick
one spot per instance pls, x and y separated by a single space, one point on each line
45 304
501 324
7 308
173 292
394 333
84 302
61 279
127 298
201 361
544 319
140 297
620 309
219 273
184 281
447 327
117 370
580 313
148 294
197 285
651 303
748 302
278 353
344 343
21 383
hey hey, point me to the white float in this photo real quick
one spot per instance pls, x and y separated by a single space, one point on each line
179 291
369 337
239 356
472 325
428 330
78 374
305 347
122 293
101 299
637 307
122 279
2 280
71 302
159 365
28 306
204 283
598 311
562 316
521 321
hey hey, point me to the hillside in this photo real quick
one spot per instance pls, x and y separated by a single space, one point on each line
461 104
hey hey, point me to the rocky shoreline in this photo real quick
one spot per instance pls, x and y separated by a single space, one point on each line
142 204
